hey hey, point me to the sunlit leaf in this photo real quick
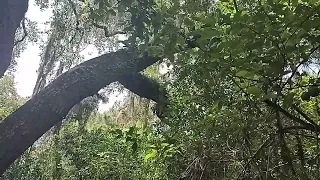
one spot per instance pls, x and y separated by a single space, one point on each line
254 91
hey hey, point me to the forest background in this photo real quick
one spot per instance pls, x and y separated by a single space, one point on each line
209 90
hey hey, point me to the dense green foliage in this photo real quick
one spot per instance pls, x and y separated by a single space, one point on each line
243 95
96 154
9 98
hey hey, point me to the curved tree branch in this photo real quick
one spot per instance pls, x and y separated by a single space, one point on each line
106 31
147 88
143 87
23 127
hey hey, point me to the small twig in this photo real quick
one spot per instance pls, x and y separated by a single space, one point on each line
106 32
114 33
254 80
318 164
303 86
299 134
259 34
285 151
264 144
286 129
301 63
247 95
300 111
25 33
301 156
77 21
267 38
235 5
300 25
75 13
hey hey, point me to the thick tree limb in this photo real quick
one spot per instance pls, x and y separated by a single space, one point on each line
11 14
143 87
23 127
147 88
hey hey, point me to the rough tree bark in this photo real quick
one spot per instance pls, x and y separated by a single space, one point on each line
23 127
136 83
147 88
11 14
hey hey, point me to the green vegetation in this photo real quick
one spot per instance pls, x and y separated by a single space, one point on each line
241 99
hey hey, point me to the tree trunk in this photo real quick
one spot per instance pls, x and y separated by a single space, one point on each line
23 127
11 14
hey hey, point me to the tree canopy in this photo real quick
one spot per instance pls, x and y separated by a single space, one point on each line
239 100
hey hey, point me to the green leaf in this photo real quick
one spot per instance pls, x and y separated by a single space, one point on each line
207 33
101 154
164 144
211 116
288 100
150 155
254 91
242 73
155 50
314 91
134 147
189 22
268 96
294 2
131 130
